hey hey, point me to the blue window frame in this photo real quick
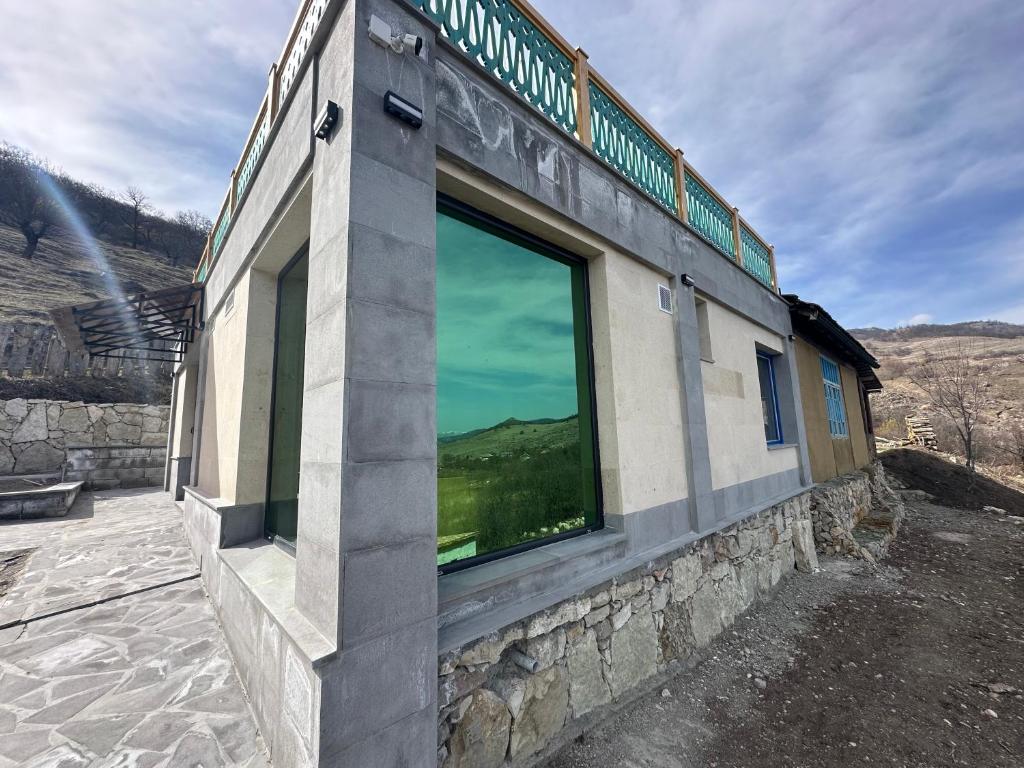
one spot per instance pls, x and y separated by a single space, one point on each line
769 398
837 425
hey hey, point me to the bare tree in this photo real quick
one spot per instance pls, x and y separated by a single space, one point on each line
138 206
1014 444
182 239
952 380
25 202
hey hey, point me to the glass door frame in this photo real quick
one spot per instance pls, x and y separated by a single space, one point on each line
269 535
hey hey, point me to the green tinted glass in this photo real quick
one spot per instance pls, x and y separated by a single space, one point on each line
516 459
289 358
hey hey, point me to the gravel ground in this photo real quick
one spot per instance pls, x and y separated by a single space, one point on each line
916 663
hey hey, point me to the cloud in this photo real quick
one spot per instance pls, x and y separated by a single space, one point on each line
159 94
921 319
877 146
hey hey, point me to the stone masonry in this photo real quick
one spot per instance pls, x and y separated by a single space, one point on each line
35 434
856 514
506 697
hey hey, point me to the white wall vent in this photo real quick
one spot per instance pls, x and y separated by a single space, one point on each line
665 298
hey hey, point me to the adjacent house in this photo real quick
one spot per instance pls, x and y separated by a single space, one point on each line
836 376
490 408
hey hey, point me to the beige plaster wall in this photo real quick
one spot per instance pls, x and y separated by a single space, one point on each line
184 410
240 353
732 400
638 400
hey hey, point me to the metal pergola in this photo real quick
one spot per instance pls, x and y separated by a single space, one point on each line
154 325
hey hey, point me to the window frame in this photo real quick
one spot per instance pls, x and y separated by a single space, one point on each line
453 207
838 401
770 359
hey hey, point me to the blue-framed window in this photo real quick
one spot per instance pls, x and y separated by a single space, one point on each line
837 425
769 398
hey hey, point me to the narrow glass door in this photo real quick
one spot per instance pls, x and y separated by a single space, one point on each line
286 427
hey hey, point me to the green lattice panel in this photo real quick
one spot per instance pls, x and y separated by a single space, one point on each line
756 258
220 231
622 143
510 46
709 217
245 174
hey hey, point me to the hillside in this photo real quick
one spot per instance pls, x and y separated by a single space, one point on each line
998 350
63 272
512 437
975 328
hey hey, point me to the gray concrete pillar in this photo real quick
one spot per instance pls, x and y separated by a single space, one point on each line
792 411
695 426
366 570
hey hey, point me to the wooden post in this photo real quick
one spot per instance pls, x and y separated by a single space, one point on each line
583 126
684 213
736 235
231 192
273 85
775 275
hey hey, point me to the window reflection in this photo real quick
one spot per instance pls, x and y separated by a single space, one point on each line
514 405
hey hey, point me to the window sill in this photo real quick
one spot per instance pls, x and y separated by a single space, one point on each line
782 446
478 600
268 573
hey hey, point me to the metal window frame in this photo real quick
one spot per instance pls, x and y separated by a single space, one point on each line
452 206
770 359
838 420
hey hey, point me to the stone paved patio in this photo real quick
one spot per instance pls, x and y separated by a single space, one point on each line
143 678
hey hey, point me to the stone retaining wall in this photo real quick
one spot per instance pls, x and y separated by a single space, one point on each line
35 433
507 697
856 501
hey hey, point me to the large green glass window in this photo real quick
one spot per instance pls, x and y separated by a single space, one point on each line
516 450
286 428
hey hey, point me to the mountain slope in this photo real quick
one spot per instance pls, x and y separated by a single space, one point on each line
63 272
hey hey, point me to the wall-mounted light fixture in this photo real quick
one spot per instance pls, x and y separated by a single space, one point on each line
404 110
687 280
326 120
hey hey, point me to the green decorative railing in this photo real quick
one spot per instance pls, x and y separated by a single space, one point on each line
220 231
507 43
622 143
513 42
709 217
245 173
283 75
756 258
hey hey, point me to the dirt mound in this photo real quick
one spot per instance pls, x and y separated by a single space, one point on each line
951 482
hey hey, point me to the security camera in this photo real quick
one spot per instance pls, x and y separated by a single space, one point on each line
414 42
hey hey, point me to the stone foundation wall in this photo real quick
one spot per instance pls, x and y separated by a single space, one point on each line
856 514
505 698
35 433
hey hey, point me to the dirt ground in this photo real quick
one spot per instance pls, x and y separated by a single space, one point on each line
918 663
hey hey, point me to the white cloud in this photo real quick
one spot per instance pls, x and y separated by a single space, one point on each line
160 94
920 319
878 147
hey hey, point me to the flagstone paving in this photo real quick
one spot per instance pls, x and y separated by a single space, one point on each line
142 679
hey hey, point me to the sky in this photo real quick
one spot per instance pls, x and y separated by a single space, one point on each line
505 346
878 145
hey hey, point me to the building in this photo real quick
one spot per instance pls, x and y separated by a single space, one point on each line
490 408
836 375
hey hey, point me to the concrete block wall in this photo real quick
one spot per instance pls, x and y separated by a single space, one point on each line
116 466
